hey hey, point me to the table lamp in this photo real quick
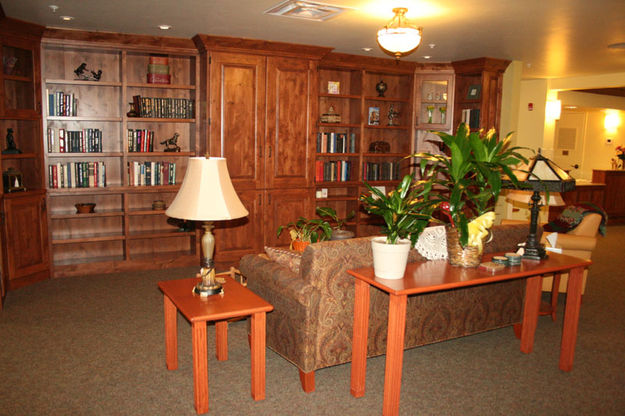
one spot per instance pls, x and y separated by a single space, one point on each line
541 175
207 195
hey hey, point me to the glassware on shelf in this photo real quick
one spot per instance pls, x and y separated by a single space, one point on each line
443 110
430 109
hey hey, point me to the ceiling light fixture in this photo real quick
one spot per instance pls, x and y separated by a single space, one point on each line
398 37
164 27
67 18
53 8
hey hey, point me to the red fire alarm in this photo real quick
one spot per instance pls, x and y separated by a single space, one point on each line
530 106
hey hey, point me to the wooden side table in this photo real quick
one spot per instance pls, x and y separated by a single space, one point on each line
236 301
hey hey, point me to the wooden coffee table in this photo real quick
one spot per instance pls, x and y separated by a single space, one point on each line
236 301
437 275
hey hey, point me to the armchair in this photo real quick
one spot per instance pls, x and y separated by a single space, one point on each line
578 242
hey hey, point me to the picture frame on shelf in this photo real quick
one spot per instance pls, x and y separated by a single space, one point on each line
334 87
474 92
374 116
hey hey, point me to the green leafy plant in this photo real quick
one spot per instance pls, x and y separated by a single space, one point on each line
331 213
308 230
406 210
468 180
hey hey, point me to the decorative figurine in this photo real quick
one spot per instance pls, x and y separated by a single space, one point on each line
133 111
392 116
380 87
11 147
85 74
171 144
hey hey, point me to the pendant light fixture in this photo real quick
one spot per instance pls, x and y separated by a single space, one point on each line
399 38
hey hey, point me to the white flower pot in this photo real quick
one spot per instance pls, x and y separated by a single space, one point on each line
389 260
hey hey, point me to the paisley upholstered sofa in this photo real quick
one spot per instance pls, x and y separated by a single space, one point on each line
311 324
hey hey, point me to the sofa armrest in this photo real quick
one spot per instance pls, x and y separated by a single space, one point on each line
575 242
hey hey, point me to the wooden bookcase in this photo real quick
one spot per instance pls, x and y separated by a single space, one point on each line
25 257
124 232
479 84
356 97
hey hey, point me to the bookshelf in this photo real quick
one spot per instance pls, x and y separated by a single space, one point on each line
125 165
365 148
478 87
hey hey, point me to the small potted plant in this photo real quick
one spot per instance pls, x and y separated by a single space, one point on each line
338 233
468 182
406 211
304 231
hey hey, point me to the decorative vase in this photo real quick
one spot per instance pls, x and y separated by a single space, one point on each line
461 256
389 260
380 87
299 245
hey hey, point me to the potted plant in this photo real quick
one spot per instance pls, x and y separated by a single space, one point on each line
338 233
469 181
406 211
304 231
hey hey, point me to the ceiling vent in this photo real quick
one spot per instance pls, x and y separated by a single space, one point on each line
306 10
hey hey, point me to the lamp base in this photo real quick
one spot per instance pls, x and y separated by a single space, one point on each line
535 253
207 290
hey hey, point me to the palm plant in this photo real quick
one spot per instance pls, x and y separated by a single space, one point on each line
406 210
470 179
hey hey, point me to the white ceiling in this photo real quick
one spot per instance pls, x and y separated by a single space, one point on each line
553 38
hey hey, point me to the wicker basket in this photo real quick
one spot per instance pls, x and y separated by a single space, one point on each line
464 257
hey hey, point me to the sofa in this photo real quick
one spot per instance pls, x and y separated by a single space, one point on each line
311 324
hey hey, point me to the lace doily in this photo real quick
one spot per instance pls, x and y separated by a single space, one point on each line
432 243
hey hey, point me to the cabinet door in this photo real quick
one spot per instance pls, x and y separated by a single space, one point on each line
283 206
20 78
25 234
237 104
289 149
242 236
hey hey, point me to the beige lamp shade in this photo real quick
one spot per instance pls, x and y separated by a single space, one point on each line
555 199
206 193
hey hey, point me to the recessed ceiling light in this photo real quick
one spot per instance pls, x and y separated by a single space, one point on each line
164 27
367 49
67 18
432 45
308 10
619 45
426 56
570 107
53 8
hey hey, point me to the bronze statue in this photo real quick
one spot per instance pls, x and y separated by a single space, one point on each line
11 147
171 144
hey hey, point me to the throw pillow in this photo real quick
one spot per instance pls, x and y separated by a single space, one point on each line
288 258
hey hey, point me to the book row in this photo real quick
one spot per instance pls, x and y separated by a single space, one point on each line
62 104
151 173
140 140
163 107
77 175
74 141
333 171
332 142
380 171
471 118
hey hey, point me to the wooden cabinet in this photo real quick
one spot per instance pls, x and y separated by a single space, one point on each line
115 159
614 198
434 96
478 85
24 237
260 95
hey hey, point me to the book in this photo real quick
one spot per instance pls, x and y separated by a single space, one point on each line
158 69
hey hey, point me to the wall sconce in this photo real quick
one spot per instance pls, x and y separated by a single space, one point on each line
553 109
612 121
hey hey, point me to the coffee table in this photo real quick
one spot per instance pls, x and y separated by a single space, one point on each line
438 275
236 301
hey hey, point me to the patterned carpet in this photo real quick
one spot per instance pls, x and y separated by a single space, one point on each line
94 345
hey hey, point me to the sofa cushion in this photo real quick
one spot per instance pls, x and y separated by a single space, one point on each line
284 257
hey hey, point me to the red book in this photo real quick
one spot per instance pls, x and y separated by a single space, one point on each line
159 79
